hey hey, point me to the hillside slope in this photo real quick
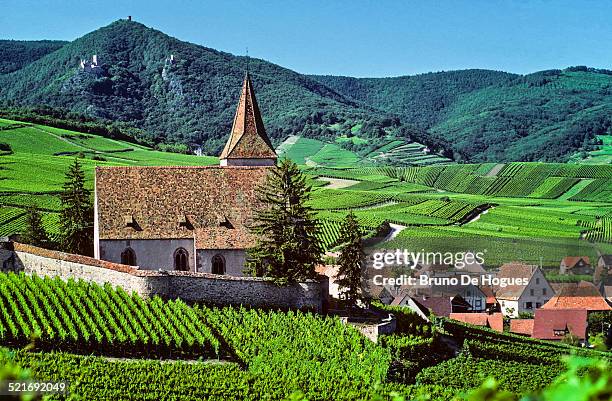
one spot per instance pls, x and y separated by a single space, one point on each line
494 116
16 54
189 99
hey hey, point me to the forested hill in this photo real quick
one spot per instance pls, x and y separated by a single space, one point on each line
472 115
191 99
495 116
16 54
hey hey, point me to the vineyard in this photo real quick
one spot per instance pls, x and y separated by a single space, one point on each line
536 212
263 354
88 318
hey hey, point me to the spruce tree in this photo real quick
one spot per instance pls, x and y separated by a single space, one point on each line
287 247
77 213
34 233
351 262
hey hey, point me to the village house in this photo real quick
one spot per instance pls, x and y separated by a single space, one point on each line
515 299
583 295
493 321
187 218
554 324
439 306
407 301
603 270
575 265
522 326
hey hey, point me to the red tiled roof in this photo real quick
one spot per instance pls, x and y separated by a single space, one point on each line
522 326
571 261
548 320
212 204
582 295
248 137
494 321
442 305
488 291
513 270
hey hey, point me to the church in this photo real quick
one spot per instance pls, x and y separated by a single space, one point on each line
186 218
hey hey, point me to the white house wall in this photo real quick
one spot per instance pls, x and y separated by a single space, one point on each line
538 283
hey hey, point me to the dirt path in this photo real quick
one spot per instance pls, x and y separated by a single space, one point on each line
338 183
480 214
395 230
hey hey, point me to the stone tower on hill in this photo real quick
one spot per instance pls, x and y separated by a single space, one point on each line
248 144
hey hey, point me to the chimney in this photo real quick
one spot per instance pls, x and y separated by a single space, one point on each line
94 59
129 17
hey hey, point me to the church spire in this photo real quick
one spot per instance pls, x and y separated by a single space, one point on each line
248 144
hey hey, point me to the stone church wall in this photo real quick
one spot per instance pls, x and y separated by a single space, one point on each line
203 287
151 254
234 260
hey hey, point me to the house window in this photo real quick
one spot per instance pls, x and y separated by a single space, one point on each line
537 280
528 305
218 264
128 257
532 292
181 260
538 305
543 291
559 333
478 303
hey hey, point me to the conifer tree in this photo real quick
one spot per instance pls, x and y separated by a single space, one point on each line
287 247
351 262
34 233
77 213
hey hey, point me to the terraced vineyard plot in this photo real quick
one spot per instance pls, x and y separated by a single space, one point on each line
35 141
345 199
45 202
299 149
331 154
599 230
402 214
88 318
553 187
597 190
498 249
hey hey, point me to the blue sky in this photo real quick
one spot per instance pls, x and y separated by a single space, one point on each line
356 38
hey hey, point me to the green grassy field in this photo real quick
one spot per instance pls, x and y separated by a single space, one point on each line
34 172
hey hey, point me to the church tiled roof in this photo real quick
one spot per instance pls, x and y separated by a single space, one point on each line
212 204
248 139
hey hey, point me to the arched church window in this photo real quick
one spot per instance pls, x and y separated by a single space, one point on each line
218 264
181 260
128 257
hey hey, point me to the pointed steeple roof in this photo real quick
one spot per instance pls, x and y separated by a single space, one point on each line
248 139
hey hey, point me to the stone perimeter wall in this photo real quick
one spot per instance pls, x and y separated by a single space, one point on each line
189 286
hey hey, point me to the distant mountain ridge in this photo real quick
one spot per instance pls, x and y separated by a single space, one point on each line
16 54
179 92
